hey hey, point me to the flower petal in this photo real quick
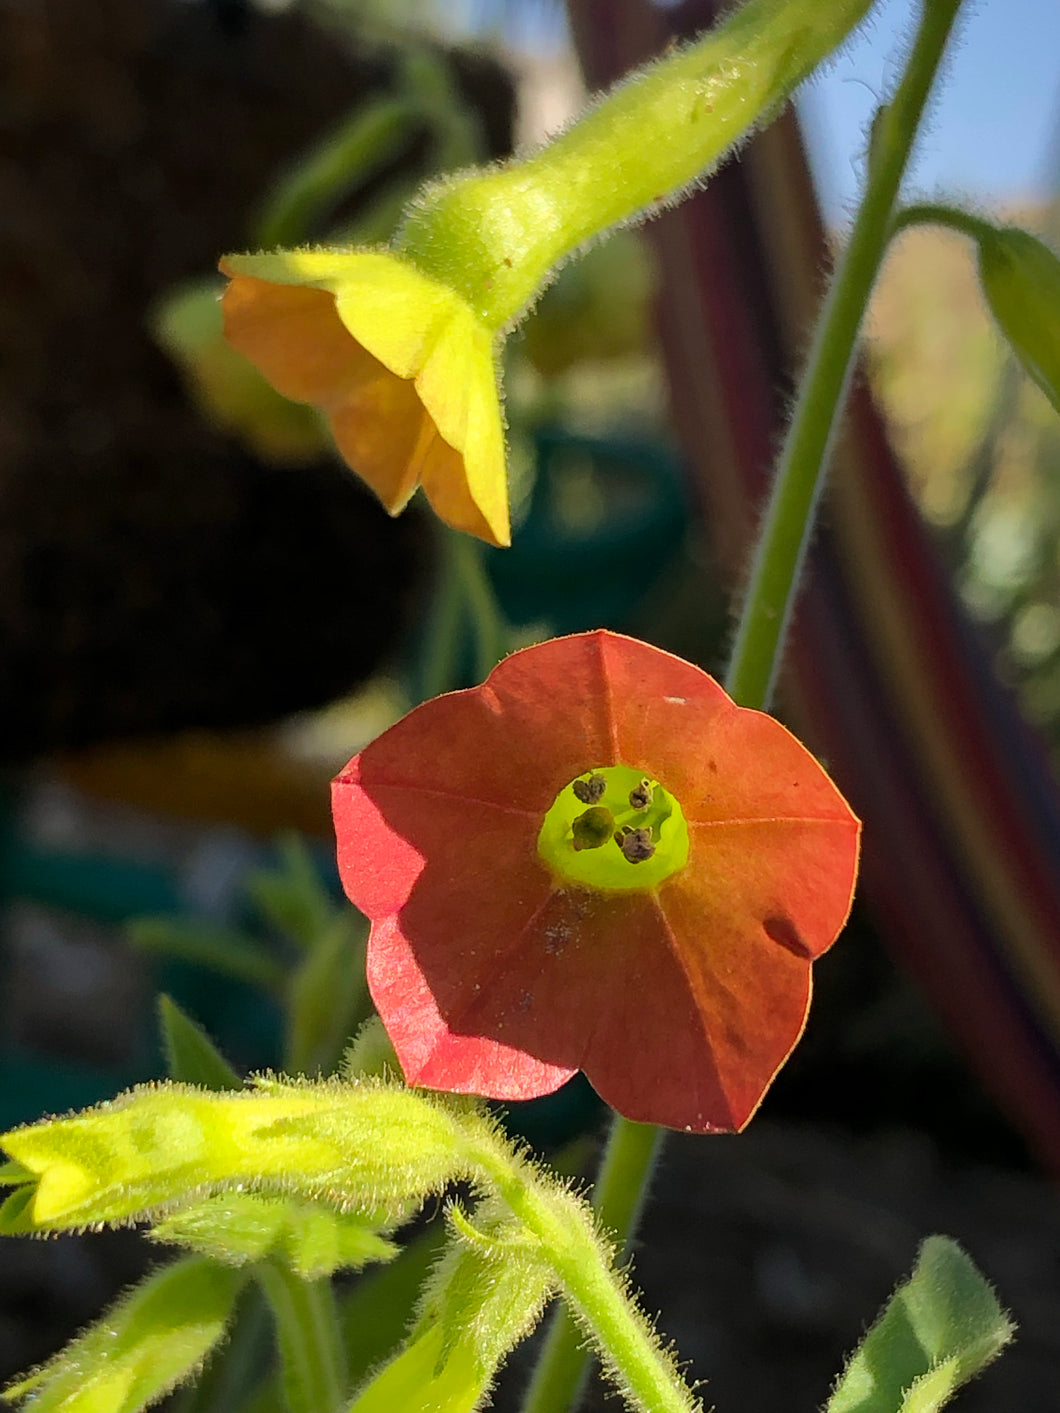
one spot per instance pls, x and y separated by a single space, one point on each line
722 761
508 743
400 362
458 386
680 1003
449 353
294 335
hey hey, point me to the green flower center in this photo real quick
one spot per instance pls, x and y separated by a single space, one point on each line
614 829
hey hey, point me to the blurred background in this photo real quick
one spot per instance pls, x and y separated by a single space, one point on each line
203 615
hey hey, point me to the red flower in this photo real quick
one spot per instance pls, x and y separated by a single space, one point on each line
595 861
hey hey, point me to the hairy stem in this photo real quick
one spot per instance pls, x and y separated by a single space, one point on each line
931 213
496 235
307 1330
618 1330
781 547
618 1199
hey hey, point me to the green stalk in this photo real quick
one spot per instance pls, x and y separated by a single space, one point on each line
931 213
491 633
621 1190
781 547
364 143
775 570
308 1334
445 623
647 1377
497 235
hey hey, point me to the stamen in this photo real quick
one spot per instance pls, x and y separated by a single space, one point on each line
590 791
641 796
636 844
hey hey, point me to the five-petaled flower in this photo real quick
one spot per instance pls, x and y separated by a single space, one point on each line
517 933
401 365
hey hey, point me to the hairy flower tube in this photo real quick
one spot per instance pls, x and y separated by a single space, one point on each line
398 347
595 861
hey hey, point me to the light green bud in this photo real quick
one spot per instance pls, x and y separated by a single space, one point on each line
366 1146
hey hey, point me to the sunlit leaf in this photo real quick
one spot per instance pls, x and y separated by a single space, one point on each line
238 1227
1020 276
155 1337
939 1329
480 1302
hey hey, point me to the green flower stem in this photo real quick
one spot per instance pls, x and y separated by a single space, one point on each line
620 1332
491 631
497 235
618 1199
465 594
781 547
632 1152
929 213
444 624
308 1334
364 144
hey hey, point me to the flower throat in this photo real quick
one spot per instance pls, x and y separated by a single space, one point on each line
616 830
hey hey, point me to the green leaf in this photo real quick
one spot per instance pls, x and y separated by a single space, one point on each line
328 997
939 1329
375 1313
157 1336
371 1052
14 1175
365 142
191 1055
367 1147
292 895
479 1303
1020 276
234 1372
237 1227
215 948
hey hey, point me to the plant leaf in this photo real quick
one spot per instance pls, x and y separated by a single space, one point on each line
940 1328
237 1227
481 1300
191 1055
202 944
375 1313
154 1338
1020 276
292 895
328 996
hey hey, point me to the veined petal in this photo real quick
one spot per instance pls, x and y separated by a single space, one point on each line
495 973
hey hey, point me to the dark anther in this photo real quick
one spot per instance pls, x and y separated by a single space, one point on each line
593 828
590 791
635 844
640 797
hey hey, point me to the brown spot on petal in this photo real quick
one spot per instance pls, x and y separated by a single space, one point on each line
783 931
